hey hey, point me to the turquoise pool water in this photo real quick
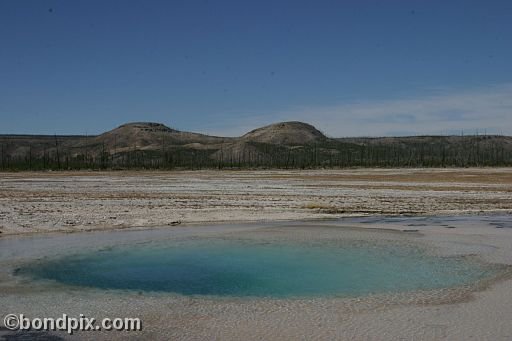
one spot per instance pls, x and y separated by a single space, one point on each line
242 268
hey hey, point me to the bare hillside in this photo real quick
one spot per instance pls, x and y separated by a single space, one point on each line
285 133
279 145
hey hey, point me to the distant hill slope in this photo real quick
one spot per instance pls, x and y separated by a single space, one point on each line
285 133
280 145
152 136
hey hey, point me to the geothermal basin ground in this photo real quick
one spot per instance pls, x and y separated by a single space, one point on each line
439 221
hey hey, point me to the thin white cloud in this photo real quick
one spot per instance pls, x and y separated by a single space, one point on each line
487 109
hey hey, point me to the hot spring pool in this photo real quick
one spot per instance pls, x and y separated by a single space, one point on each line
260 268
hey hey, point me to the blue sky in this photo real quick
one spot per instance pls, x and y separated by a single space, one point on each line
224 67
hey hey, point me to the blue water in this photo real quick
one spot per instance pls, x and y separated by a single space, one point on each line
262 269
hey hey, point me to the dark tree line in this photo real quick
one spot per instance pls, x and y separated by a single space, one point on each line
467 151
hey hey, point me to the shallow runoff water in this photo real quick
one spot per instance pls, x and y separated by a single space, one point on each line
281 262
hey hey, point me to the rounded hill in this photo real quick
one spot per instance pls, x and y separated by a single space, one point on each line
285 133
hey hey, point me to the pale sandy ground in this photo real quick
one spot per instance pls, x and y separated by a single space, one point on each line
39 202
58 201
